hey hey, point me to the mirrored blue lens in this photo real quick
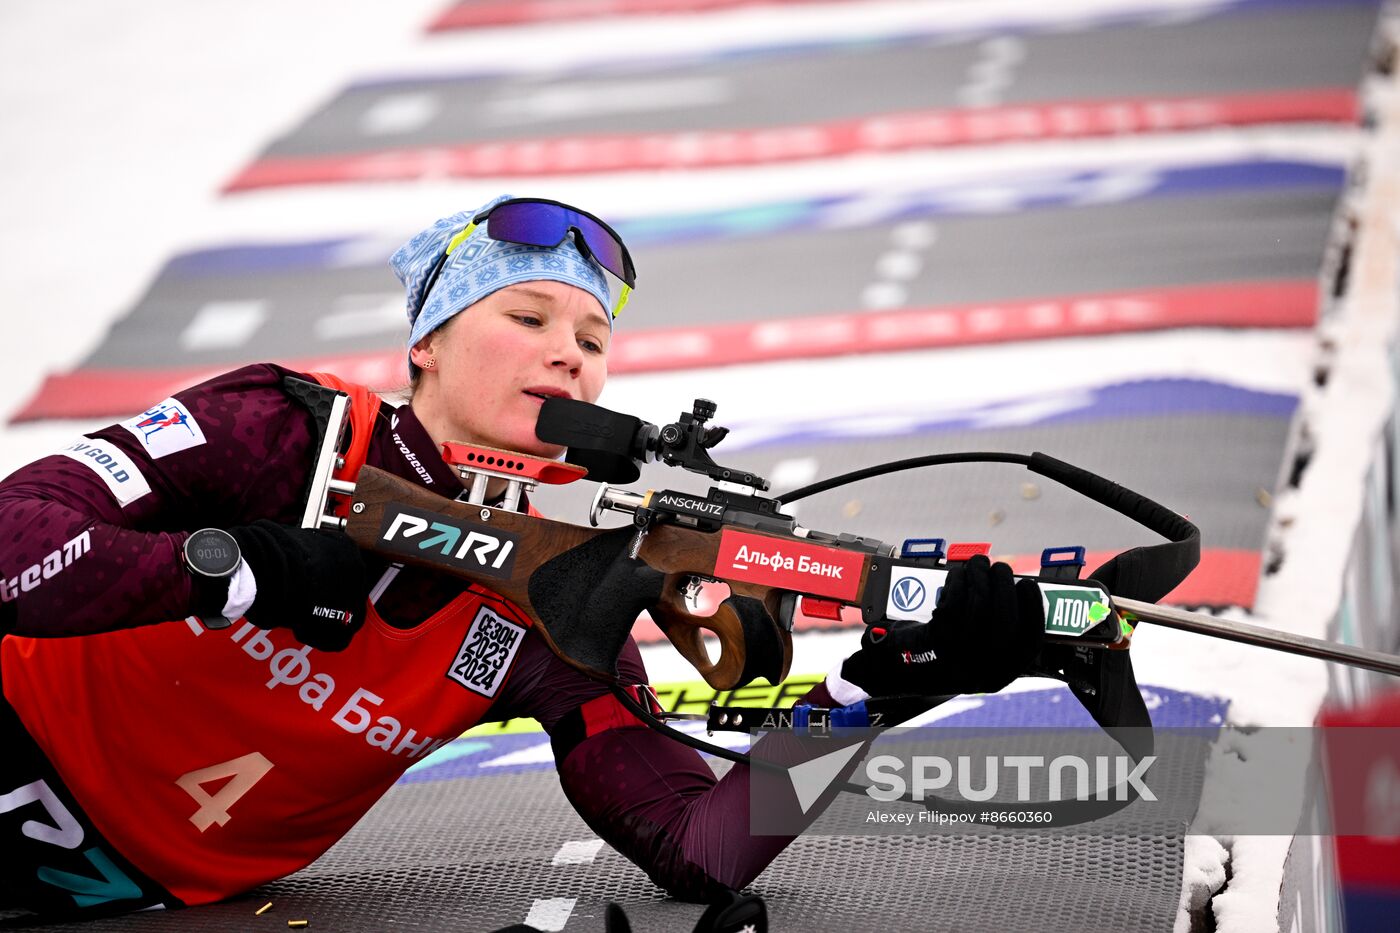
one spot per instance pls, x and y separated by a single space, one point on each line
536 224
531 224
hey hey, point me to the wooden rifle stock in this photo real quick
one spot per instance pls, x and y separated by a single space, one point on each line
502 550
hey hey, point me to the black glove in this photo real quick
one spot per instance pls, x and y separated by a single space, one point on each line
312 581
984 634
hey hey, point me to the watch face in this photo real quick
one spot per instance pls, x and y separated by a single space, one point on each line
212 552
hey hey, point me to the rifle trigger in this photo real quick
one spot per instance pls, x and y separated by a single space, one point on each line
692 588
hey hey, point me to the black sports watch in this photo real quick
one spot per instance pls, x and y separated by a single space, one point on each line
212 554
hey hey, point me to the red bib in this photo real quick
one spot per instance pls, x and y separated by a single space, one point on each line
219 760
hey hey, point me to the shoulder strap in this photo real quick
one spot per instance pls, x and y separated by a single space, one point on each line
364 407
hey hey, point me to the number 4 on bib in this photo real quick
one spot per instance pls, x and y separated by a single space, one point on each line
239 775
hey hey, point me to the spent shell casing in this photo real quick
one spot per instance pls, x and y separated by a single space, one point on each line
263 909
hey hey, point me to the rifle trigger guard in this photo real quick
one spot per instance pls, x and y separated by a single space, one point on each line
752 644
691 587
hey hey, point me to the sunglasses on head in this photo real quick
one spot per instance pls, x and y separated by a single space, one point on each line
541 222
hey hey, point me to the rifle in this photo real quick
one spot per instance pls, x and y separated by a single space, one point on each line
569 580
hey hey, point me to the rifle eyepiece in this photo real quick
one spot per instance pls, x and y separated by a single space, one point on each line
610 445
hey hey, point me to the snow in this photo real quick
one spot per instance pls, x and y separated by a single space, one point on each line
122 118
1240 764
1315 527
1203 873
1252 898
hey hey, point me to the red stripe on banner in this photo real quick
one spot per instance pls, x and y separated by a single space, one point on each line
885 133
1290 303
1242 304
1225 577
518 12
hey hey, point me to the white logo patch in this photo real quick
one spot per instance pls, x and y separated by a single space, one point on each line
166 429
486 653
914 593
116 469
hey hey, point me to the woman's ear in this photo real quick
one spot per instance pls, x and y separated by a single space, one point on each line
422 353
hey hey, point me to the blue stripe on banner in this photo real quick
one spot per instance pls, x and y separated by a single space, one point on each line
1001 196
1051 708
1127 400
1062 189
260 257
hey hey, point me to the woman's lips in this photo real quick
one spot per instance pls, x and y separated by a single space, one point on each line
542 393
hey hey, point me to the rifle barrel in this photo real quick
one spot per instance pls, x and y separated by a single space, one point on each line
1202 624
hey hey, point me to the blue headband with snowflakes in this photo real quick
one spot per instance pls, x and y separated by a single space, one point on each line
473 266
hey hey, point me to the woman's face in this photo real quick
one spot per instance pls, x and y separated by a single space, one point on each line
497 361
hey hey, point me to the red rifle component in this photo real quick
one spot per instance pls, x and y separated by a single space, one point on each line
966 550
821 609
551 472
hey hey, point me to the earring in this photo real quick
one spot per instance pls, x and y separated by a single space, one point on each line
429 363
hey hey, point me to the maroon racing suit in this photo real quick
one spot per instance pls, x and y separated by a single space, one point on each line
90 543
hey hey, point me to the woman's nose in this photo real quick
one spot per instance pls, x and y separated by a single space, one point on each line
566 353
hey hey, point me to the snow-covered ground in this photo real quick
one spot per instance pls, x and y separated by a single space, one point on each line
121 121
